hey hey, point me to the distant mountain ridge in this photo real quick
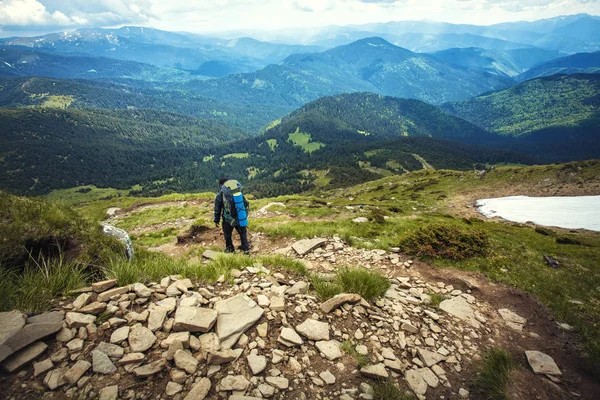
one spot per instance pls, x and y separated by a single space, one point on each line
372 65
581 63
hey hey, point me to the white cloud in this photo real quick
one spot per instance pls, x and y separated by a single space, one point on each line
221 15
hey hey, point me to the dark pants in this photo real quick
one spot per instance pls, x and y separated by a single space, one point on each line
228 231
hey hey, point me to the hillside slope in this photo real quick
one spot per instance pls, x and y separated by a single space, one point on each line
582 63
557 117
20 61
34 91
49 148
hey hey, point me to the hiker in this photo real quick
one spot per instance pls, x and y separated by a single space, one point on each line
233 213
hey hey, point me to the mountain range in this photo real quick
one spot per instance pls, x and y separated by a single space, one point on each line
175 111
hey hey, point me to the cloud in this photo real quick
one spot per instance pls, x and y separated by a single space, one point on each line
32 14
222 15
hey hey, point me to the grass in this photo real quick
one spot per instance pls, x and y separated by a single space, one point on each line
83 194
349 348
154 216
303 140
436 298
39 283
369 284
237 155
155 238
494 374
152 267
387 390
272 144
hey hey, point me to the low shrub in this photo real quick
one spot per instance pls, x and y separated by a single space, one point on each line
445 241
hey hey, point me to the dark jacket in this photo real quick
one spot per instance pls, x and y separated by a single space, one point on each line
220 207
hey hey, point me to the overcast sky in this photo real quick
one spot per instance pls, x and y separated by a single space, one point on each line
26 17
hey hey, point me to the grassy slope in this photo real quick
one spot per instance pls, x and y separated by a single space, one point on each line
423 198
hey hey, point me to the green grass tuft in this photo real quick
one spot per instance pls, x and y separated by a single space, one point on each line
33 289
387 390
349 348
325 289
368 284
436 298
494 374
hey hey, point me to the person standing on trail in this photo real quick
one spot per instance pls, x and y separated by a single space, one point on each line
232 206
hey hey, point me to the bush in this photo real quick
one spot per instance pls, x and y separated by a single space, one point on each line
445 241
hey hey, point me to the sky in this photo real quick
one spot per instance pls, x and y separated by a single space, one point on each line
30 17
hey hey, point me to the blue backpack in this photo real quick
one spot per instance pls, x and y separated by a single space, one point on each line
233 203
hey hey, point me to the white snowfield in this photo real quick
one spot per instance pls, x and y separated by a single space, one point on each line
582 212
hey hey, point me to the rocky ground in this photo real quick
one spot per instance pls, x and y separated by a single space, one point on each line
265 335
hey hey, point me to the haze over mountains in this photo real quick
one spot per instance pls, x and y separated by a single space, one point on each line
283 114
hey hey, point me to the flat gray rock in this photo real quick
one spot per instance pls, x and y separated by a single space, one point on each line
76 371
53 317
461 309
375 371
256 363
289 337
103 286
29 334
111 350
24 356
235 316
330 349
314 330
211 254
231 383
339 300
416 382
102 364
185 361
224 356
305 246
107 295
150 369
542 363
429 358
199 390
109 393
157 317
11 323
194 319
141 339
79 320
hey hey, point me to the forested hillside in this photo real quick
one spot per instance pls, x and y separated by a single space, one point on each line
20 61
99 94
49 148
556 118
582 63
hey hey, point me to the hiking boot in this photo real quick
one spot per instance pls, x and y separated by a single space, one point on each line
229 250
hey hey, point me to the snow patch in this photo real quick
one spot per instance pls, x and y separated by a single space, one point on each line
581 212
